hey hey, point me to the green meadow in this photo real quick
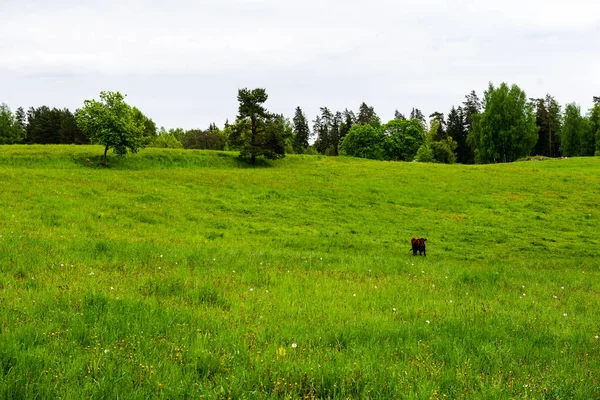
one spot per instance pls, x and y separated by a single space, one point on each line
190 274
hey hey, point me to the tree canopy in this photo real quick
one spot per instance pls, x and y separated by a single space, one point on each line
260 133
112 123
506 129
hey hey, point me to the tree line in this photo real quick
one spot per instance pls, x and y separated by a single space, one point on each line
503 126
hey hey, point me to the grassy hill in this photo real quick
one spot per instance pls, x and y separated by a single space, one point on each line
175 273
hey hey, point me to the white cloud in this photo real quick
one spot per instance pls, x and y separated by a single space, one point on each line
312 53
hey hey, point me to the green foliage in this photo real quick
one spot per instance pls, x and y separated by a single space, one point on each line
418 115
457 130
258 133
403 139
205 140
576 137
506 129
471 110
186 274
112 123
594 120
425 154
150 131
367 116
437 149
166 140
549 121
321 127
10 130
51 126
364 141
301 132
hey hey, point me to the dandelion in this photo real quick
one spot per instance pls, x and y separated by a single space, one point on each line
562 288
555 297
523 286
260 317
565 314
596 337
112 288
106 351
354 295
62 265
294 345
233 271
446 277
432 285
251 289
159 267
393 310
214 259
267 290
161 256
427 322
422 272
450 301
523 294
375 287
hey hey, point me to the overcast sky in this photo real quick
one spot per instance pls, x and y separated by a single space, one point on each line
182 61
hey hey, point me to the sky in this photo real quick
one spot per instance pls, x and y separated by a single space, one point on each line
182 62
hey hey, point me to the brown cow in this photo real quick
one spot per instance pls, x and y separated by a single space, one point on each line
418 245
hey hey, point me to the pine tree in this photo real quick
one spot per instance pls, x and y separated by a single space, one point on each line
472 107
265 135
456 129
440 133
399 116
366 115
418 115
301 132
321 129
548 120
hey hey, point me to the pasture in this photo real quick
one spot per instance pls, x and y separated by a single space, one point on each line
189 274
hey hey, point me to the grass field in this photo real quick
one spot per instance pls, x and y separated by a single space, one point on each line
189 274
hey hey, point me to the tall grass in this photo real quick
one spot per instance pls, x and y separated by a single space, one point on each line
179 274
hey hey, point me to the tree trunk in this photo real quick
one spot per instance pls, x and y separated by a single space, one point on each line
104 159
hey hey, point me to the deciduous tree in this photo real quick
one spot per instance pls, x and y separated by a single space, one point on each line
364 141
111 123
402 139
10 132
506 129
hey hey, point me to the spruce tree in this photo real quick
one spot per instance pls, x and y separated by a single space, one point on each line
301 132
